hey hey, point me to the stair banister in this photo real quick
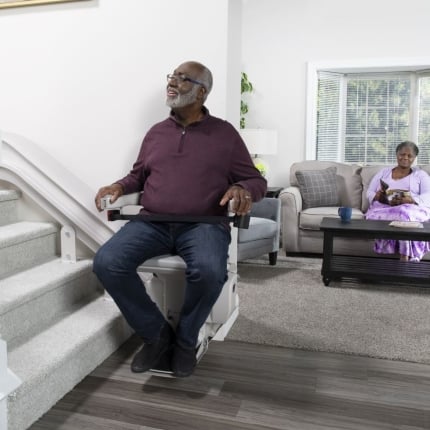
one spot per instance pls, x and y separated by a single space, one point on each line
64 196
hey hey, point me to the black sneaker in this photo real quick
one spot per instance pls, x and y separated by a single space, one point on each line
183 361
150 353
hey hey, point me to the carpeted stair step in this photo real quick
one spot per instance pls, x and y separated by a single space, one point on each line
8 206
54 361
26 244
31 299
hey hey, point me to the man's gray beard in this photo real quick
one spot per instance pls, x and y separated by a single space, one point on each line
182 100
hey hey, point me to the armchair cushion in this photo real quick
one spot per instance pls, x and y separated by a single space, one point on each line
318 187
259 228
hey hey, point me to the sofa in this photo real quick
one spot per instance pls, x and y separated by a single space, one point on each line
340 184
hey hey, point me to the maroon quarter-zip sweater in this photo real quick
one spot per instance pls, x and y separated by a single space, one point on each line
186 171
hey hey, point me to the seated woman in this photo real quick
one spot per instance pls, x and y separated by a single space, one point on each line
412 205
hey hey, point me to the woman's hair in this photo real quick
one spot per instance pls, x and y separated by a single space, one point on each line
408 144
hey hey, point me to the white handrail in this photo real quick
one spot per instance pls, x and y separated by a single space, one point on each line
53 187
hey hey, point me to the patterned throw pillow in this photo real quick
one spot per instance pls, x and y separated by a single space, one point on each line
318 187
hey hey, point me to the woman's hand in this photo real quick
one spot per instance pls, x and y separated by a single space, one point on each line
396 201
380 196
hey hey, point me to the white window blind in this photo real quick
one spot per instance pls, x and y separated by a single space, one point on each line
328 116
361 118
377 118
424 120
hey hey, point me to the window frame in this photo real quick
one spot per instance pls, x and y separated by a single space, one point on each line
351 66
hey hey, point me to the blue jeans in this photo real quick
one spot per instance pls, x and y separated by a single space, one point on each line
203 247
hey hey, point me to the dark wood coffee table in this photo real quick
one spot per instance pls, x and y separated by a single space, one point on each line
372 268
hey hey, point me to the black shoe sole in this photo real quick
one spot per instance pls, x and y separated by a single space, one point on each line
181 374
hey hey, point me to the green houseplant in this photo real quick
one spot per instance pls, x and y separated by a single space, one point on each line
245 87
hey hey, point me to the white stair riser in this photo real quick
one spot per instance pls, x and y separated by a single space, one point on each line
23 255
8 212
30 317
9 206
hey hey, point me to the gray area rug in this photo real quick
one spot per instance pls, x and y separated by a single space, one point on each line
288 305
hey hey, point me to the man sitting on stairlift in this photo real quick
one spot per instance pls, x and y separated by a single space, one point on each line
189 164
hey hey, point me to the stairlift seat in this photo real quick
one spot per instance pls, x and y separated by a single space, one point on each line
166 262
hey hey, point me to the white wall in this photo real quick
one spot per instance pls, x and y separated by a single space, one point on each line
85 80
280 37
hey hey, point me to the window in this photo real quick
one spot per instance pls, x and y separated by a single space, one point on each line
362 117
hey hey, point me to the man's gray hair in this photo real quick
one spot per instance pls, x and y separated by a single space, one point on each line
206 79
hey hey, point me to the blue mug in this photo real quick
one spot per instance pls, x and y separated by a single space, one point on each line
345 213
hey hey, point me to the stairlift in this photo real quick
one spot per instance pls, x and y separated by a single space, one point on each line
164 277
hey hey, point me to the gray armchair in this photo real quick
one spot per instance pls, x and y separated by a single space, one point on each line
264 230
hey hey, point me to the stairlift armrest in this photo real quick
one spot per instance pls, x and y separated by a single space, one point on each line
115 211
127 203
125 200
239 221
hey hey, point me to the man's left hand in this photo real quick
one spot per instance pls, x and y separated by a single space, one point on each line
242 200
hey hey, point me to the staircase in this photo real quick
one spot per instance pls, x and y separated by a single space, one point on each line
54 316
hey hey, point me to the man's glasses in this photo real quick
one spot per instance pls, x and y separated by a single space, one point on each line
183 78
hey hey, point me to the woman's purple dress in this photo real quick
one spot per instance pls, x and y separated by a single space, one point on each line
418 183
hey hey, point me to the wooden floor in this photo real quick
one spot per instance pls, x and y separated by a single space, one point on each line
244 386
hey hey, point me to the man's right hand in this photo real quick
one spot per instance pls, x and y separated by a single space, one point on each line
115 190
